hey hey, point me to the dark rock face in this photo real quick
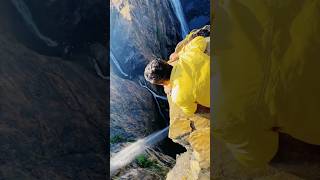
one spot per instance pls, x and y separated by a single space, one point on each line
152 32
197 12
132 110
72 24
77 21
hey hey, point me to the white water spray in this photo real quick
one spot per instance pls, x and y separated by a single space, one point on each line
115 61
27 16
176 4
126 155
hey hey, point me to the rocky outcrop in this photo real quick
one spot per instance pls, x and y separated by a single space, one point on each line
194 134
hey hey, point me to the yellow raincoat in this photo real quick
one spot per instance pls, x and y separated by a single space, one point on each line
190 77
267 73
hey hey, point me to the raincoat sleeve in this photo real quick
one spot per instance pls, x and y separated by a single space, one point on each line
184 42
198 44
184 99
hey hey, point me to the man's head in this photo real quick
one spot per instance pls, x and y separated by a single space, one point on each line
158 72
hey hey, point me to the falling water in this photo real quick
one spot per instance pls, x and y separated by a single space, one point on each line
180 15
27 16
115 61
128 154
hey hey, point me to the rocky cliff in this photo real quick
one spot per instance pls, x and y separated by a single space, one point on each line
194 134
141 30
132 110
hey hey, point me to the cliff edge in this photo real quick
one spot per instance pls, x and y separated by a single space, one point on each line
194 134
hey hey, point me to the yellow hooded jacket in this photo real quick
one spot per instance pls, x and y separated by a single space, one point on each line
190 77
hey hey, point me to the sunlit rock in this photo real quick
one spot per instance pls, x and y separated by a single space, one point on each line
194 134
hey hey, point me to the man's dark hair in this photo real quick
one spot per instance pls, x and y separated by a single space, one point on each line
157 71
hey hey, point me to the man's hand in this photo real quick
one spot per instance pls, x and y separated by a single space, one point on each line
174 56
167 90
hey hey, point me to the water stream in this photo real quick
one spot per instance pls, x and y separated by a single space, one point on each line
176 4
24 11
126 155
117 64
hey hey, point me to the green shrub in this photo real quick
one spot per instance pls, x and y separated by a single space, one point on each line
144 162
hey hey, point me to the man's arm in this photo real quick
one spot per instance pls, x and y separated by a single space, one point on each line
173 58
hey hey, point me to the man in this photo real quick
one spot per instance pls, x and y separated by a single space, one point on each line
188 79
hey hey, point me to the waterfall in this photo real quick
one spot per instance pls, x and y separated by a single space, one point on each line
23 9
156 96
176 4
115 61
128 154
